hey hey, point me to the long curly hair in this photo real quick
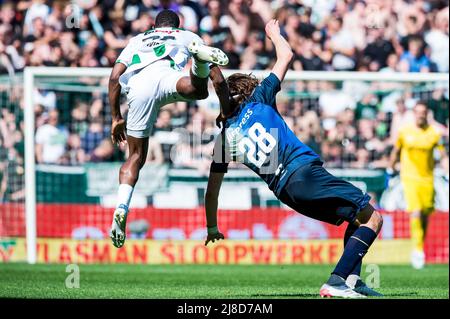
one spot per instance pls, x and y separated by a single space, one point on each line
240 87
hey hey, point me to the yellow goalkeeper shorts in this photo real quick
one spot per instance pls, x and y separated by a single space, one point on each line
419 196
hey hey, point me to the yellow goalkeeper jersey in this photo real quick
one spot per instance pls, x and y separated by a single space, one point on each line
417 152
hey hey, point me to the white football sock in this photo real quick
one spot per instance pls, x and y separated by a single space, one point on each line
200 69
124 195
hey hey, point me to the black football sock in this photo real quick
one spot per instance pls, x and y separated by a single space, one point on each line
354 251
349 232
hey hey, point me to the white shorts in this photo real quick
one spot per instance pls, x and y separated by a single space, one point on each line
148 90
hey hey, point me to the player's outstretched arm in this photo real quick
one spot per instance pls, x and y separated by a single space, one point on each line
118 123
282 48
211 204
222 91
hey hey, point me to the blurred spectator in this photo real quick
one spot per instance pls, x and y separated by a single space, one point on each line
333 101
36 14
309 56
94 136
391 64
215 28
341 35
414 59
75 155
164 120
367 107
51 140
163 132
79 115
438 40
362 159
439 106
309 131
216 16
192 150
255 56
378 48
401 117
239 20
341 43
12 179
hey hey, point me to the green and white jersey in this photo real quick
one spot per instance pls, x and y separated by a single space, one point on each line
153 45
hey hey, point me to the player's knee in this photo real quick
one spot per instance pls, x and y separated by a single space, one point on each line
376 221
371 218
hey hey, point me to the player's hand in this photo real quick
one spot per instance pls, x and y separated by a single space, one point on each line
118 131
272 28
214 237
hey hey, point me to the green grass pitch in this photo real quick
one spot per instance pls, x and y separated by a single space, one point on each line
207 281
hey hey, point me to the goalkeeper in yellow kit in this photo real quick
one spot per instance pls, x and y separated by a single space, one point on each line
415 146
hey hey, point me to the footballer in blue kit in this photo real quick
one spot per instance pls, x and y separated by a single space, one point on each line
255 134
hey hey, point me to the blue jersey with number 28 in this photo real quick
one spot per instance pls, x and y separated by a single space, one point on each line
257 136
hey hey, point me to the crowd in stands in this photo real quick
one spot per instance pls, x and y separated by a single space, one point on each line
349 125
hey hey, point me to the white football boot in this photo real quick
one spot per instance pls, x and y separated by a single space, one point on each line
336 287
118 227
206 53
355 282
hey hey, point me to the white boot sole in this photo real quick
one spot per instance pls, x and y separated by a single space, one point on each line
208 54
119 219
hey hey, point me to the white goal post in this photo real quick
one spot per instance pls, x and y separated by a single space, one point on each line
31 74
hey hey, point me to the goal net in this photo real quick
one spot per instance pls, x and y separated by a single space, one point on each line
59 172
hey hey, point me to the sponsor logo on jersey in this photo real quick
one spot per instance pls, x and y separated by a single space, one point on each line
231 134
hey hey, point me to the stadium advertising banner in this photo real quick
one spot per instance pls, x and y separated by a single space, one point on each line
79 233
279 252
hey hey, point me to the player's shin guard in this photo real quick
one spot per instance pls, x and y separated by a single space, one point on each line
124 195
357 246
348 233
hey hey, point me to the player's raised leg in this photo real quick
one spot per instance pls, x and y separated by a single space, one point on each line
207 54
195 87
369 223
128 176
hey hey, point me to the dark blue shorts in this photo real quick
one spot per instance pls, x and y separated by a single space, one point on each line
312 191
